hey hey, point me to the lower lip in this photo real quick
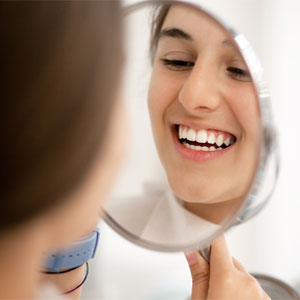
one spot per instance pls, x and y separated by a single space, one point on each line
200 156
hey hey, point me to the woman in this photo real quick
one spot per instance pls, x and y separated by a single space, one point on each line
206 125
62 123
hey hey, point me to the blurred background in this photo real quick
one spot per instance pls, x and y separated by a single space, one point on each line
269 243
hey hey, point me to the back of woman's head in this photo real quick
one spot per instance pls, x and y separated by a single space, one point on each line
59 68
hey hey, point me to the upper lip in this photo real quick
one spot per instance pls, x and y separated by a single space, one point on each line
203 125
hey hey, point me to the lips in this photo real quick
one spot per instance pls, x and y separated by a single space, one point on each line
204 139
201 144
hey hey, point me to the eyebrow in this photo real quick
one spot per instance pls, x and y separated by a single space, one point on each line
175 33
228 43
180 34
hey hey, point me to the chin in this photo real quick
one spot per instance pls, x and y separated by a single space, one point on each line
190 194
198 194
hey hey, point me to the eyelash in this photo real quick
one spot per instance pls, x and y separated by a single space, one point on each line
239 73
181 65
176 64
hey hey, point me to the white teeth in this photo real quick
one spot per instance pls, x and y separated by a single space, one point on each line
187 145
184 133
202 136
211 139
220 140
227 141
191 135
199 148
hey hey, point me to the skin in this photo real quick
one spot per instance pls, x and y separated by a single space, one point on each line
77 216
203 93
223 278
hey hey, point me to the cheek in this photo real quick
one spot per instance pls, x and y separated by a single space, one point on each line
163 91
156 98
244 105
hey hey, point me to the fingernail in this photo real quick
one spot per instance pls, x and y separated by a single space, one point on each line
191 257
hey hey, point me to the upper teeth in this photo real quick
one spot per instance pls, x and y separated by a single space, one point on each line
204 136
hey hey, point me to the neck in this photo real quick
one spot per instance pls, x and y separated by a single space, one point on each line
20 256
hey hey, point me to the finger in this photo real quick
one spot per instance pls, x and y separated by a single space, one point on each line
239 266
200 274
220 258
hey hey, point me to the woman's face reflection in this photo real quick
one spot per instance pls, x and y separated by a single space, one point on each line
203 109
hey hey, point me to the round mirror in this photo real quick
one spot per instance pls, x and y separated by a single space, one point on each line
202 153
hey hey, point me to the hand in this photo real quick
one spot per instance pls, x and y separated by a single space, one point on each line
223 278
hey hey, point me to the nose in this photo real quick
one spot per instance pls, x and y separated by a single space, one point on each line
201 91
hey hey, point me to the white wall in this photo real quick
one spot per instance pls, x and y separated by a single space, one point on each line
270 242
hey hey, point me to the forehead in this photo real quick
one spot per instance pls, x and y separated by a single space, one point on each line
198 26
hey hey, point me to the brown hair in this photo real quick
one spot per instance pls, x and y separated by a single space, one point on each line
59 68
159 14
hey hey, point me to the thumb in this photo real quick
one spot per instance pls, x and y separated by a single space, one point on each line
200 274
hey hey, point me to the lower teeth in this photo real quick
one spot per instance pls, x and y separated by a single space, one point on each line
199 148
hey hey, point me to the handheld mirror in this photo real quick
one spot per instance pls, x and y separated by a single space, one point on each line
202 153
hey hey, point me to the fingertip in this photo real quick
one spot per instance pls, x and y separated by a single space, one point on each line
220 240
195 259
191 257
220 255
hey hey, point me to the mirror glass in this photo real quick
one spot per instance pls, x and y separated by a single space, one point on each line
197 136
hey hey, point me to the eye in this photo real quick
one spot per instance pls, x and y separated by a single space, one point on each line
239 74
177 65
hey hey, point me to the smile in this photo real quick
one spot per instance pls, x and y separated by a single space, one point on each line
204 139
202 145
